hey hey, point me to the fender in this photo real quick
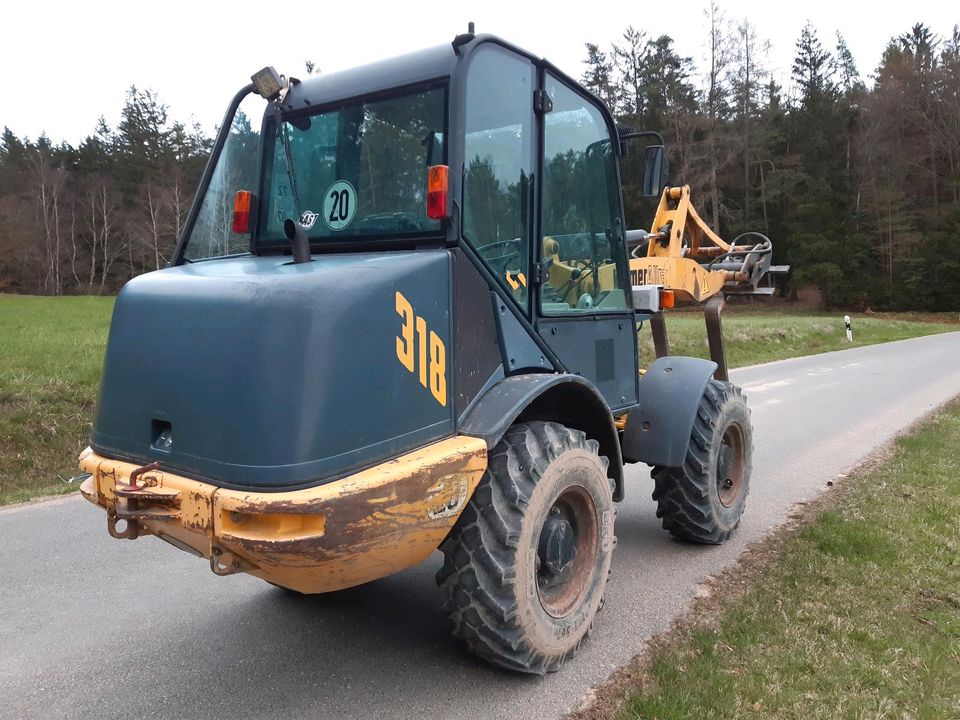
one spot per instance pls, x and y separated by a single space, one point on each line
658 430
557 397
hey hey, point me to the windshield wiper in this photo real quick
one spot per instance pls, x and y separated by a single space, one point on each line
292 228
287 158
273 88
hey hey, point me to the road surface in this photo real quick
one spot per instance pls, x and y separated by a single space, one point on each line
94 627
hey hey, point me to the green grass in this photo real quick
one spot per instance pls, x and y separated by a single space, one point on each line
51 356
753 338
857 615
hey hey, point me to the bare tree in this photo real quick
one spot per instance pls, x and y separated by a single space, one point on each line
154 210
49 183
105 240
748 74
73 245
720 54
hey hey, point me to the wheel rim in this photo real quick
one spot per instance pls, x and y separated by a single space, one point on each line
730 462
567 551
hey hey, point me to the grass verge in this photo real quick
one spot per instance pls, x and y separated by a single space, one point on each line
51 356
753 338
854 612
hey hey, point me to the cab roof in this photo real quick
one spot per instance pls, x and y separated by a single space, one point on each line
410 69
414 68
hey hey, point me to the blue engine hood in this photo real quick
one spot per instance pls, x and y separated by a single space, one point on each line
268 374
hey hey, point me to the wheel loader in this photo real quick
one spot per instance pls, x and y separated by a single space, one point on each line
403 315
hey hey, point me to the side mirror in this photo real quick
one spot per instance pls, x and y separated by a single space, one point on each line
656 168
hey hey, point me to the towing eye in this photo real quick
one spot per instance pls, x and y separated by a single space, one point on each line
132 530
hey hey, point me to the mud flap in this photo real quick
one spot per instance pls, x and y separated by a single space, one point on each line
658 431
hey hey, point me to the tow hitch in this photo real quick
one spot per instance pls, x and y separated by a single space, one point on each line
141 500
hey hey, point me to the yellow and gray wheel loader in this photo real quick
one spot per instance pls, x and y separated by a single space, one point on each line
403 316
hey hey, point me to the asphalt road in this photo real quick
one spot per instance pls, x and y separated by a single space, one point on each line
94 627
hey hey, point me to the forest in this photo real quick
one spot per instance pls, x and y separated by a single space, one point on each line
854 173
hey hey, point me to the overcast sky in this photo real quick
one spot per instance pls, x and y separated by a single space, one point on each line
70 62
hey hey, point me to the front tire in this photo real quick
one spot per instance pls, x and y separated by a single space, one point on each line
527 563
703 499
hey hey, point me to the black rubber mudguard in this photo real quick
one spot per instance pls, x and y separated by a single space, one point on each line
551 397
658 431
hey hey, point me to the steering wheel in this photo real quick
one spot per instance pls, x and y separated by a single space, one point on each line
506 256
502 243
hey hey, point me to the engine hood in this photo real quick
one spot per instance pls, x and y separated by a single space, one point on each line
256 372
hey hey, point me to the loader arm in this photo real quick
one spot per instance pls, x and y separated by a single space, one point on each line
684 255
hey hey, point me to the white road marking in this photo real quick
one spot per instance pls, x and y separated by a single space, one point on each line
763 387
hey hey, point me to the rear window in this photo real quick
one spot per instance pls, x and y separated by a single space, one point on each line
360 169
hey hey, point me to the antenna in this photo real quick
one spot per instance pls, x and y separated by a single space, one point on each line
463 39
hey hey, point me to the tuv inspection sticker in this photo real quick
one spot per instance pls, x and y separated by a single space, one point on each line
339 205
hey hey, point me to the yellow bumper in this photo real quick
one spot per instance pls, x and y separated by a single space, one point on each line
344 533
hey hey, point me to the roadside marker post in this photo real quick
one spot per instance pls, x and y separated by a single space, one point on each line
846 322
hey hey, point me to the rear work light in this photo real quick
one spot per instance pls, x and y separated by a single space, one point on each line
241 211
437 192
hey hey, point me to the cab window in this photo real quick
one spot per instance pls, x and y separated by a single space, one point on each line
360 169
583 248
498 165
237 168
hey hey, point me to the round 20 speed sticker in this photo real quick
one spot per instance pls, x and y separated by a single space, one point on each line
339 205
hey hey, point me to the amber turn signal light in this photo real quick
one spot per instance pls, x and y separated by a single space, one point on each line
241 211
437 176
666 298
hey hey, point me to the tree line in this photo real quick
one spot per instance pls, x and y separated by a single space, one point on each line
856 181
855 178
86 218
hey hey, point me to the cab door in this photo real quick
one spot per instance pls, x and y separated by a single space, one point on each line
500 154
583 308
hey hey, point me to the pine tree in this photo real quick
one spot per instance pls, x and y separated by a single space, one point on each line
949 94
629 59
665 84
849 82
598 77
813 70
823 240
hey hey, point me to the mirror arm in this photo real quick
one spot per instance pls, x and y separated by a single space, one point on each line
631 135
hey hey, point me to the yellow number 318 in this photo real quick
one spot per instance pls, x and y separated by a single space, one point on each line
432 365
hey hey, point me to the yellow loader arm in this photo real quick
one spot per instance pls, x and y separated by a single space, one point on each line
684 255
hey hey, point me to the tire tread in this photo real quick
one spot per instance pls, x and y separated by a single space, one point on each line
683 493
478 571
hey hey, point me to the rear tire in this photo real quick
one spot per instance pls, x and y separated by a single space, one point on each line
703 499
527 563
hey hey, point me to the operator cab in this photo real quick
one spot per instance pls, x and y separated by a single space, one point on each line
530 182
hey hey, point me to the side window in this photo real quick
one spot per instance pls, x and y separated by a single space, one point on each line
498 165
212 234
582 236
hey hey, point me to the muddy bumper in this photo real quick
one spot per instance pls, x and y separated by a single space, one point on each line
344 533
